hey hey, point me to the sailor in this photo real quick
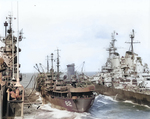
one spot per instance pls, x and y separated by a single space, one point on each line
13 95
17 94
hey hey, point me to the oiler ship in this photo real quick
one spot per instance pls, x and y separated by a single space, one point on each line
11 91
126 77
68 91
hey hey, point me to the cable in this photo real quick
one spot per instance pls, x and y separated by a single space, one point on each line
29 81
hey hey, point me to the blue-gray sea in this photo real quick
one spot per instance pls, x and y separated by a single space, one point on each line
104 107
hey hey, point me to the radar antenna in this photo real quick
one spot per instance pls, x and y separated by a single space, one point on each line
132 38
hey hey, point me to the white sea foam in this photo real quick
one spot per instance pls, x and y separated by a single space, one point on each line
46 111
29 117
128 101
102 101
110 98
39 99
106 97
96 96
37 93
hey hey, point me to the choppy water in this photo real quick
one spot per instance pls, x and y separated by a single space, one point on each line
104 107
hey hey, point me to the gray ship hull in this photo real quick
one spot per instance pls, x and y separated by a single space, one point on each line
122 95
73 105
3 102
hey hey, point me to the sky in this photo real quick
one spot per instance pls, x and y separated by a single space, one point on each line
80 29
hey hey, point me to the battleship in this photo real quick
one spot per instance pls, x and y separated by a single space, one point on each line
11 91
126 77
66 91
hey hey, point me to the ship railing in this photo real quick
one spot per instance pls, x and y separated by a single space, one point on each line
49 82
106 67
83 97
123 65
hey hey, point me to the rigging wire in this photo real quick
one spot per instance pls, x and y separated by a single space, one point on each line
29 81
33 87
33 77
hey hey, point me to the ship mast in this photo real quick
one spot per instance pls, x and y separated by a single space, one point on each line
47 64
10 31
5 24
52 61
18 80
12 47
58 63
132 38
112 48
52 70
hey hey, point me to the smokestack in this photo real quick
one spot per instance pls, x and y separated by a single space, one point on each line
70 70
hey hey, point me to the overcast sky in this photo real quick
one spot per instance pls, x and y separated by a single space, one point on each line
81 29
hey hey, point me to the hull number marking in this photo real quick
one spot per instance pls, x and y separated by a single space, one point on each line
68 103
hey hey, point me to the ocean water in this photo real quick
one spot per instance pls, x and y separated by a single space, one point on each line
104 107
